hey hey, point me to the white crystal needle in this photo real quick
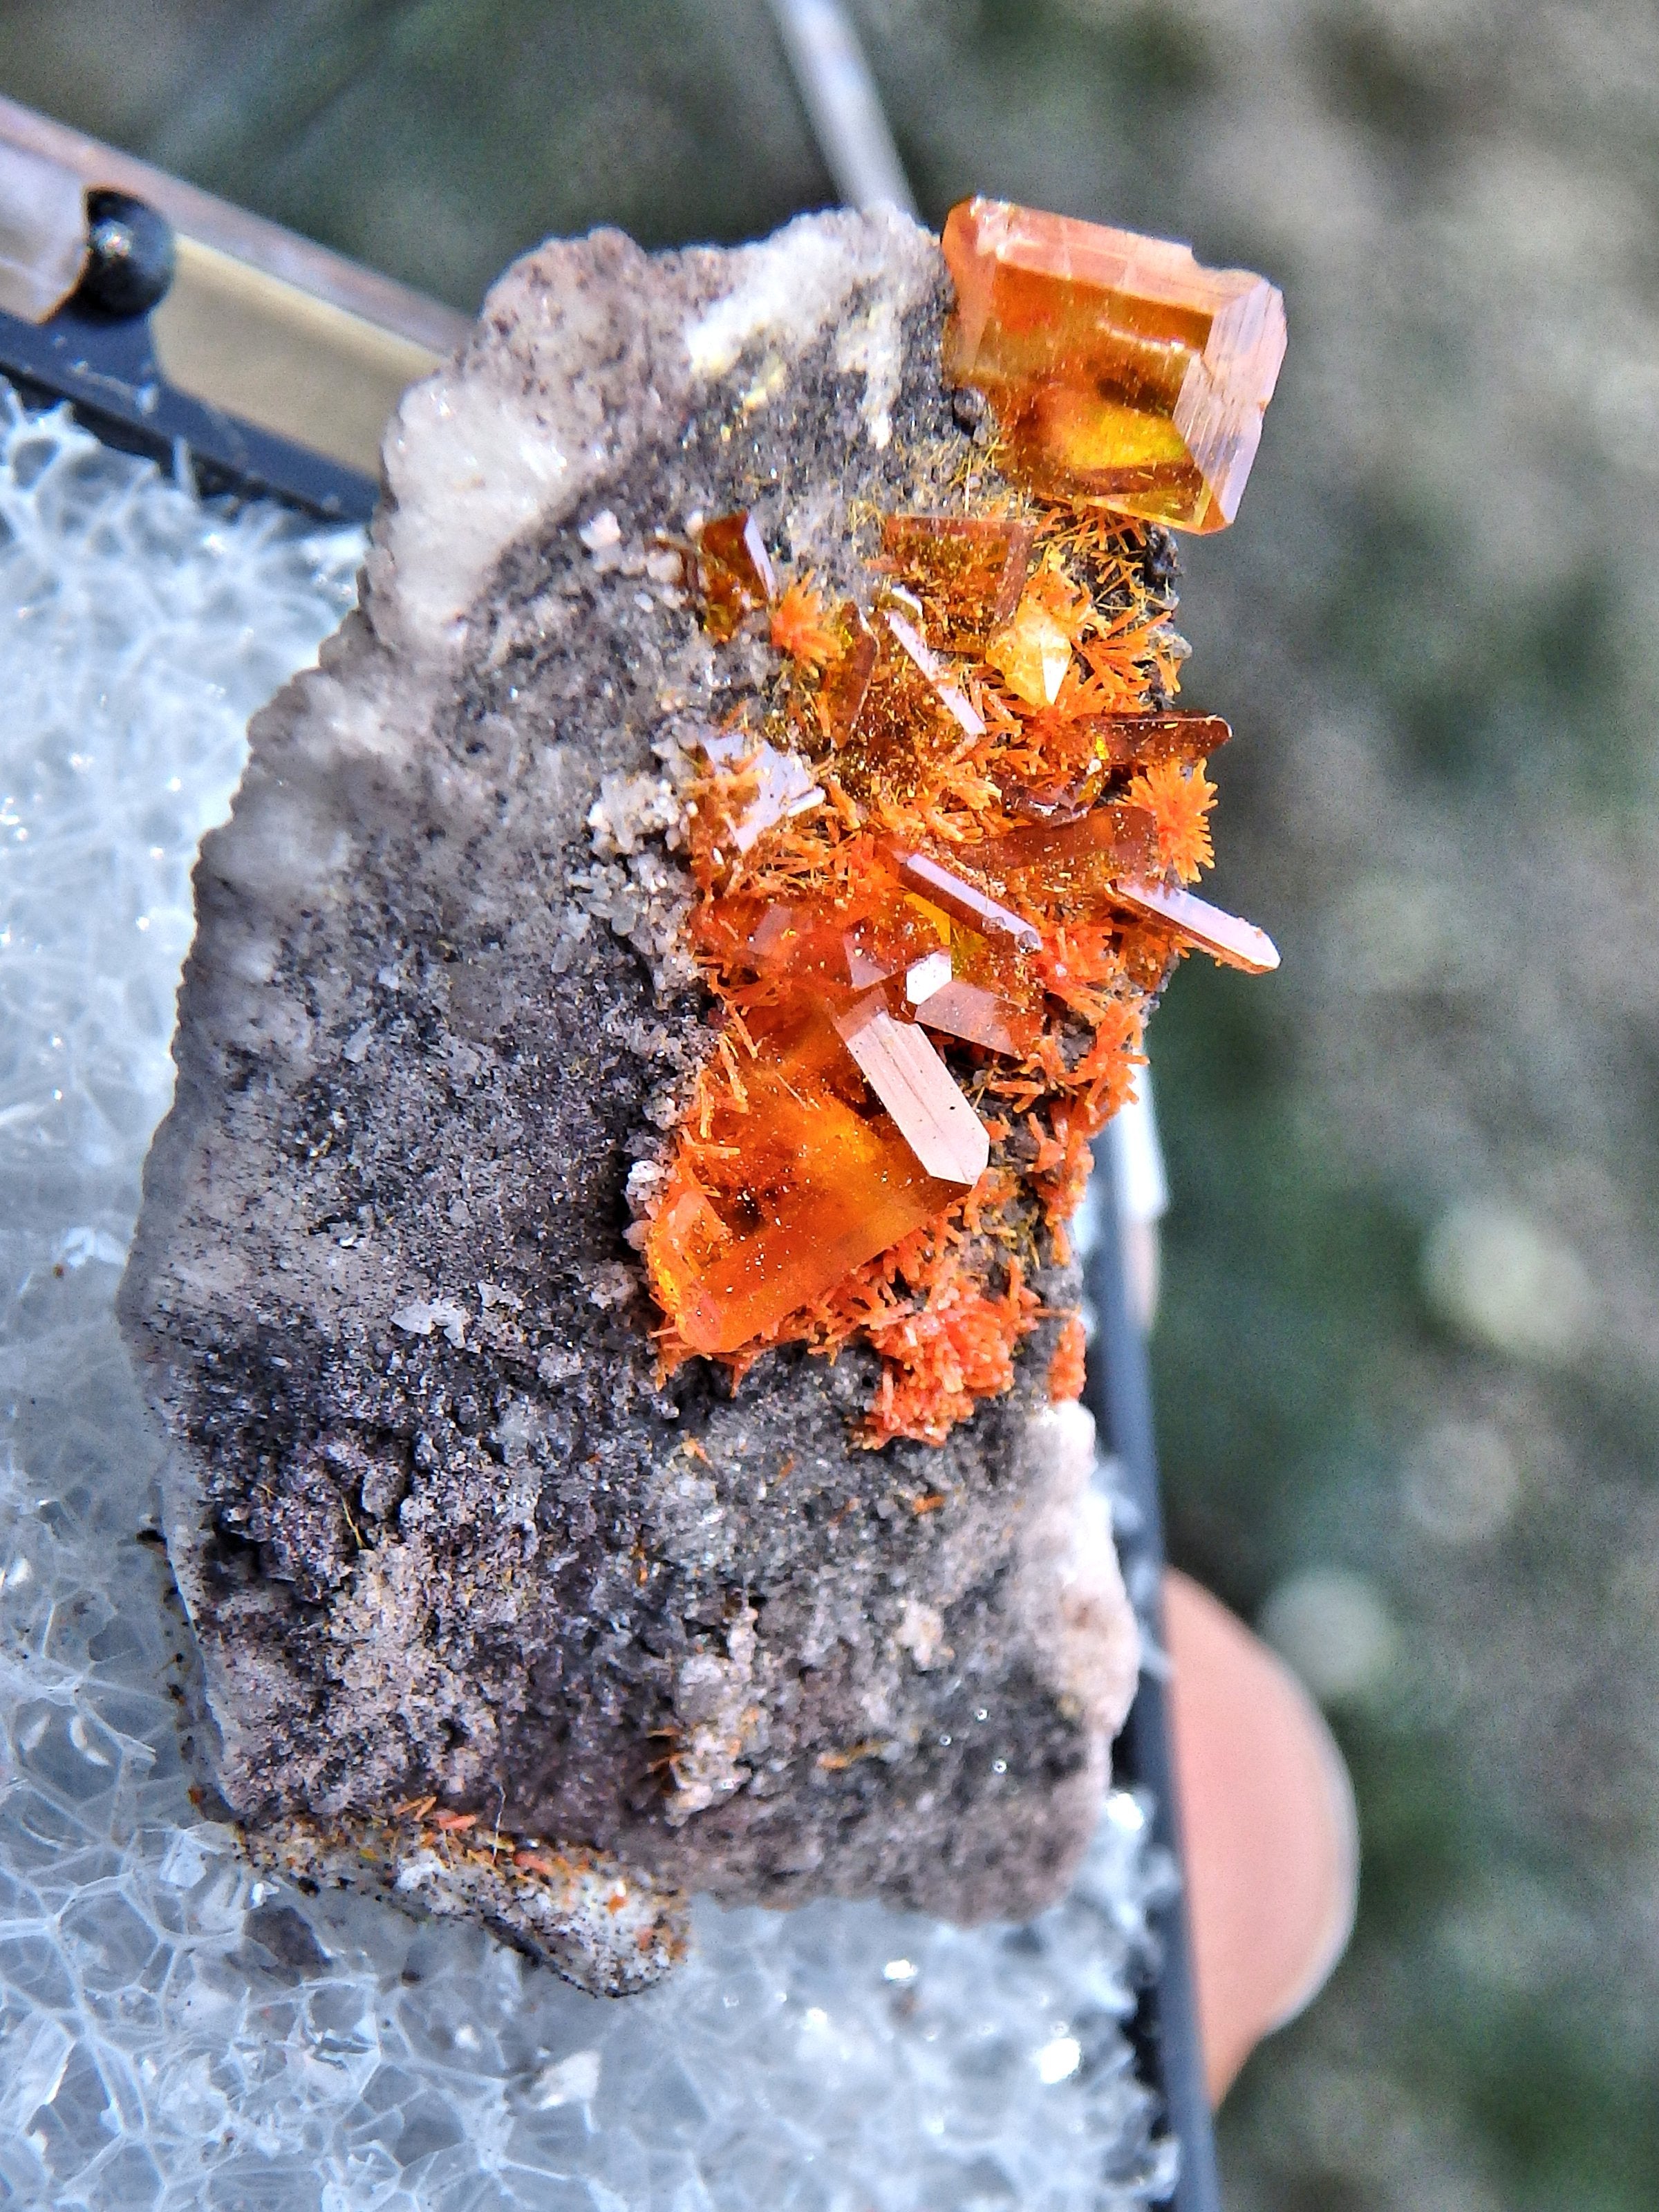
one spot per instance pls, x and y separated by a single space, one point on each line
954 703
918 1090
1237 942
963 901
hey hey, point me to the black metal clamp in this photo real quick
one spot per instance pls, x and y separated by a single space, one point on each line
97 352
1164 2032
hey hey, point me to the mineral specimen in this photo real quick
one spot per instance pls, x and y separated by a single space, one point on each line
1119 369
181 2028
742 804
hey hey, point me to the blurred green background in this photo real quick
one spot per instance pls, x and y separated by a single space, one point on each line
1409 1354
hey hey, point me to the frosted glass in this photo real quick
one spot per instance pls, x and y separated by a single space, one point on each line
174 2032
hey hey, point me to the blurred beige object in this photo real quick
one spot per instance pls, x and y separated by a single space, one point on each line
1270 1834
260 323
43 232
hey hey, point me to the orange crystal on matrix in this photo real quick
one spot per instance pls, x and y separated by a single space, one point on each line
941 853
1118 368
790 1190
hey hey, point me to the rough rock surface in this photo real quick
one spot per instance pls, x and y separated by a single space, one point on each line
439 1527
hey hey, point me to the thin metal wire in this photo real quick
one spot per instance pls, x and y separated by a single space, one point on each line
843 104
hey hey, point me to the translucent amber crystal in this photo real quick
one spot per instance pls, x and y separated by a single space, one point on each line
1148 740
831 954
735 574
1078 752
846 681
888 938
1118 368
909 716
805 1180
982 989
1058 861
968 570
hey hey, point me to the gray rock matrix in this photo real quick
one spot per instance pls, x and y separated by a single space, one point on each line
439 1527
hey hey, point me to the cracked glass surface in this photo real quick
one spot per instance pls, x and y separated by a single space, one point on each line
177 2031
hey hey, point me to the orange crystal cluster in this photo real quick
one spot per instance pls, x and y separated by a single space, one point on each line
942 864
1118 368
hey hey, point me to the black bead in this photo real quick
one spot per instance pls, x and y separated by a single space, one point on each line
1161 561
130 255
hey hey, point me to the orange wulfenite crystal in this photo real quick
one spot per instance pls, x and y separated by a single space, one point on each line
734 572
839 700
1119 369
969 571
939 853
787 1193
1067 1373
1150 740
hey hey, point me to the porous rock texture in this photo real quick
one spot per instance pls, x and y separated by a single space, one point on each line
440 1529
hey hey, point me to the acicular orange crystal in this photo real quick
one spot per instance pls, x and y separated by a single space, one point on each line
1118 368
941 862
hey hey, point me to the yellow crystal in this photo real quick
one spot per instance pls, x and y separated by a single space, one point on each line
1033 654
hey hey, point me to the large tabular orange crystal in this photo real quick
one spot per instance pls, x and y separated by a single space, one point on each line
786 1195
1118 368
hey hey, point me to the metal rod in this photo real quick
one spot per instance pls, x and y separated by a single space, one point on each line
843 104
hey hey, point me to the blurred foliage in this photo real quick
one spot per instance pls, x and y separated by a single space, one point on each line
1435 629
